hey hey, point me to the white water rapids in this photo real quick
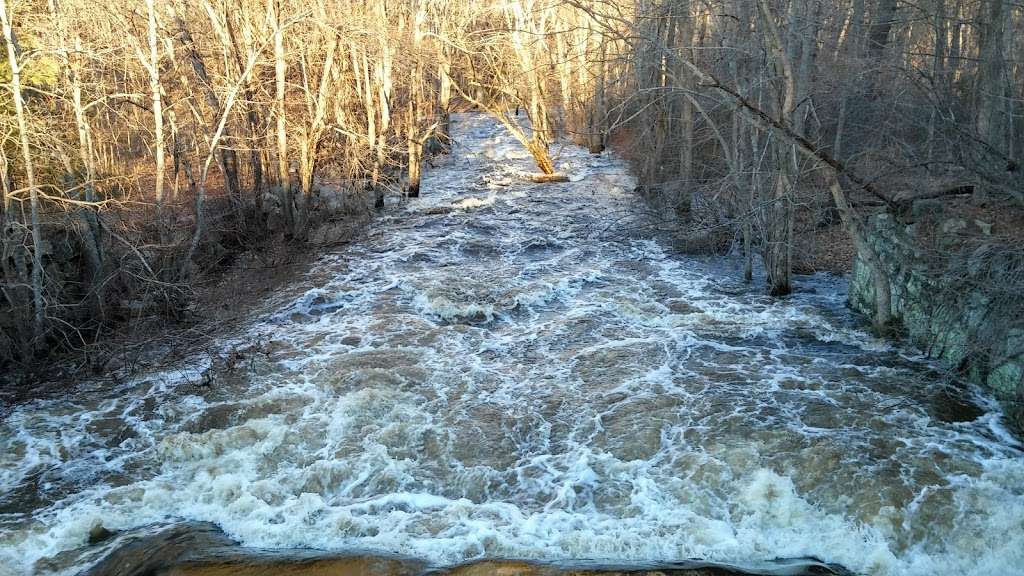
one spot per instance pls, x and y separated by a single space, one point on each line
530 377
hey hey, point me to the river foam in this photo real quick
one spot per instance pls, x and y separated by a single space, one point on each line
532 375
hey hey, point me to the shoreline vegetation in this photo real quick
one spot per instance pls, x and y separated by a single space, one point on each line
148 146
535 364
173 171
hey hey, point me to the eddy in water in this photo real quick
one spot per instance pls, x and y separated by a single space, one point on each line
528 374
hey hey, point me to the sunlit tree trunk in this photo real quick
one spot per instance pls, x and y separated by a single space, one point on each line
158 114
598 106
89 232
414 150
445 96
378 95
5 195
280 112
217 133
564 64
38 302
524 17
382 74
414 140
252 115
91 236
316 108
226 158
372 133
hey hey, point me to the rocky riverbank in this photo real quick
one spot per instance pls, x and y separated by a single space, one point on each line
955 290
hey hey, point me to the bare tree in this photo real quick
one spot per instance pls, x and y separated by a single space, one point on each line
756 123
38 301
276 18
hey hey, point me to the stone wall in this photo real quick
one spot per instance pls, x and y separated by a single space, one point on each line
957 293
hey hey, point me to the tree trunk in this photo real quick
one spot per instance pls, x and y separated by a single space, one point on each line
5 194
646 79
414 149
880 28
540 126
316 108
686 114
280 72
778 221
540 154
158 116
445 99
991 86
596 113
383 85
226 157
39 318
252 116
414 141
662 111
564 68
89 231
91 237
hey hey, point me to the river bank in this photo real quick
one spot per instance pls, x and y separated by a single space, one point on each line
221 300
506 370
955 292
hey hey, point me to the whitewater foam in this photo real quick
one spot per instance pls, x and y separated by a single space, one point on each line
525 377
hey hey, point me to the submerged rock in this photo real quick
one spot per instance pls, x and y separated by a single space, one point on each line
98 533
202 549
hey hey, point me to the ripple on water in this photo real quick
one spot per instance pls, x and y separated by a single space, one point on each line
533 378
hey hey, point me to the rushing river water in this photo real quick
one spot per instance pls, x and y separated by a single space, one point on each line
529 376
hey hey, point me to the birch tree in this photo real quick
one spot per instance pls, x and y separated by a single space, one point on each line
39 304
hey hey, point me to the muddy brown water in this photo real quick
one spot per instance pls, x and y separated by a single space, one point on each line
505 370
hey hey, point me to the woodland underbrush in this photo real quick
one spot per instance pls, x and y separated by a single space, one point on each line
116 284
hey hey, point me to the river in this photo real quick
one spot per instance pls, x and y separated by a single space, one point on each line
534 374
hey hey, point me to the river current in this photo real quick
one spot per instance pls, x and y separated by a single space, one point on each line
509 370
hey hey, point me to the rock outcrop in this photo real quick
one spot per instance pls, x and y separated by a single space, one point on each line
202 549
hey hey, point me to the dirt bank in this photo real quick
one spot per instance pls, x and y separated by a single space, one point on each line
219 298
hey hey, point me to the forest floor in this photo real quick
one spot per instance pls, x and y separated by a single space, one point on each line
221 298
827 249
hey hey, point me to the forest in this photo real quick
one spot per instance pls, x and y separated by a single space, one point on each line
514 287
146 143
